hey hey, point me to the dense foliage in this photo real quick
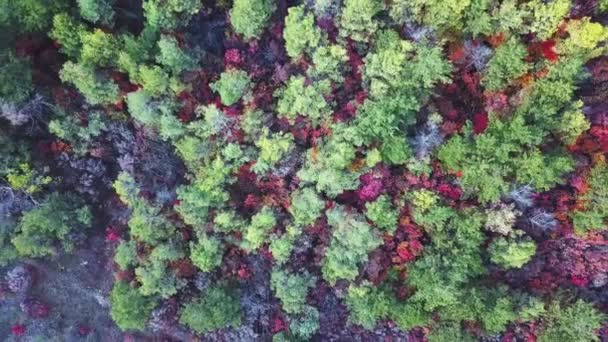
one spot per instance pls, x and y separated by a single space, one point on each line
256 170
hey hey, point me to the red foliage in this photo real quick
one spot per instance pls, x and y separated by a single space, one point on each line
34 308
278 325
480 122
545 49
450 191
112 234
495 101
18 330
184 268
232 57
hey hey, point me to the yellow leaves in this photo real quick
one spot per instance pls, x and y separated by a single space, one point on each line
584 37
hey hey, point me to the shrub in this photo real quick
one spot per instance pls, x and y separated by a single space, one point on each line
250 17
130 310
232 85
216 308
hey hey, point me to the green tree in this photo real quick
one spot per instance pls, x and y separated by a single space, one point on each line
306 206
258 229
170 14
358 20
352 240
126 254
154 274
595 200
216 308
97 11
206 254
130 310
96 88
291 289
249 18
367 304
172 56
299 99
15 77
67 32
52 222
511 253
506 65
577 322
301 34
232 86
382 213
273 147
